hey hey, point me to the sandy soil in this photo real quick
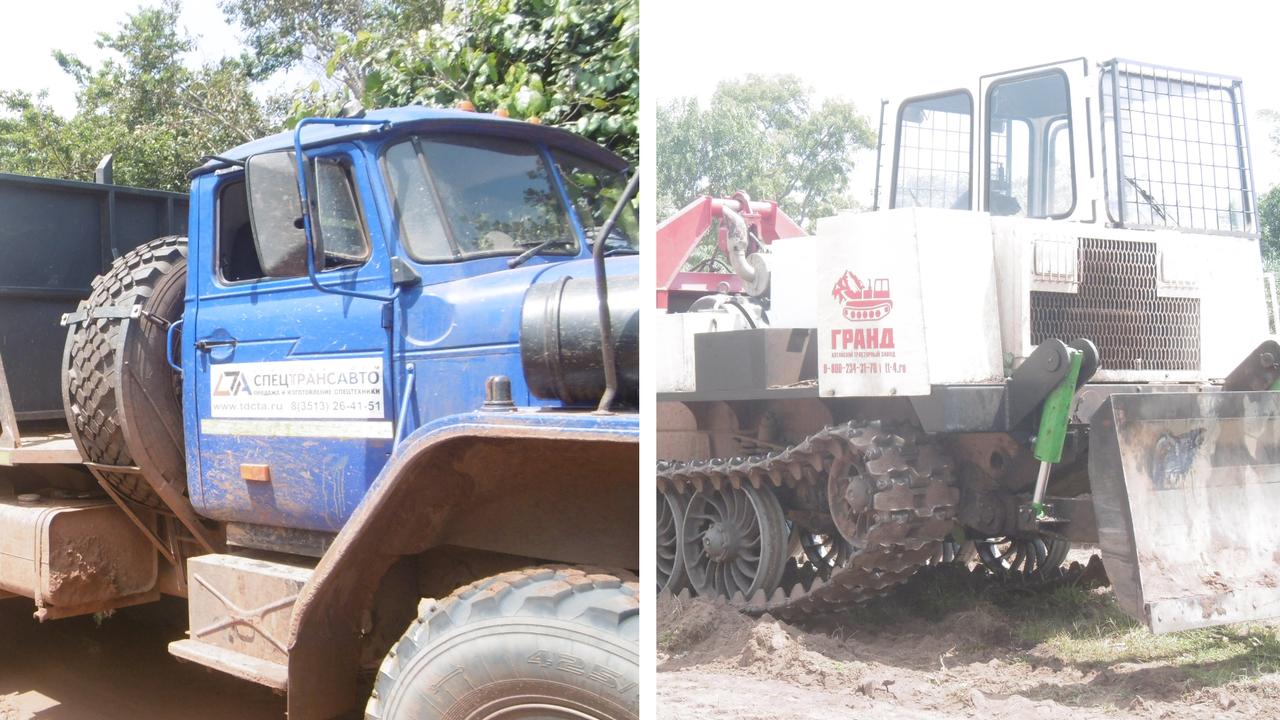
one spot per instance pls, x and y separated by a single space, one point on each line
75 669
716 663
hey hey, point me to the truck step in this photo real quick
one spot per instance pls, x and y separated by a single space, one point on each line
262 672
239 610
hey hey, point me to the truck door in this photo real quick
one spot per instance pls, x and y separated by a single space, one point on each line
291 390
1033 143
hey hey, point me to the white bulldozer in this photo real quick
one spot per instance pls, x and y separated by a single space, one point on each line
1050 329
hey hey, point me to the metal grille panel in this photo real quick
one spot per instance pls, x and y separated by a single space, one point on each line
1118 310
1178 156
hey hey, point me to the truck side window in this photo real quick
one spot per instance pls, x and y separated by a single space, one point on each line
1029 165
461 196
237 257
274 212
341 232
932 166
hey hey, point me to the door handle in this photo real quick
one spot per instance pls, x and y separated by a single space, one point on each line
207 344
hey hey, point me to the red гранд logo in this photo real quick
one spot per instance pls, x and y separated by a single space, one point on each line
860 303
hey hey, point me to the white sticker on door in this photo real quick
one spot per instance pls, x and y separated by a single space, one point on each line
298 389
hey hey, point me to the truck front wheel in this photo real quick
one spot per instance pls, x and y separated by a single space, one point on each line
537 643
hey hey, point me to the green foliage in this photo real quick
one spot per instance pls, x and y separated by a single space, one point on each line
568 63
282 34
1269 225
144 105
765 135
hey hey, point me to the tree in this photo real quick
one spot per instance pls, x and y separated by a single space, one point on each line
1269 225
144 105
568 63
764 135
282 34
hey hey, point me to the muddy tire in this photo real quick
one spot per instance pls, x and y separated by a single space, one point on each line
557 641
99 397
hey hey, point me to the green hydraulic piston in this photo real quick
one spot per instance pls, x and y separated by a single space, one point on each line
1054 419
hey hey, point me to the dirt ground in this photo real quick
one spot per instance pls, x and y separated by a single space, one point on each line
956 643
118 669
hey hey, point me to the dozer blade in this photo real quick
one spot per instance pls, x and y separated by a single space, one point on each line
1186 490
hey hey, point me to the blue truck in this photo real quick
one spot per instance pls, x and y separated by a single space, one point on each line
369 403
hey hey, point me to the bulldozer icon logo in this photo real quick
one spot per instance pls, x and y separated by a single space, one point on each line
859 302
231 383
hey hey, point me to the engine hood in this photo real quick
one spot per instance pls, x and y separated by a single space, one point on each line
485 310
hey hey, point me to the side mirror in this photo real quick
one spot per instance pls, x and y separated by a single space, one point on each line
275 211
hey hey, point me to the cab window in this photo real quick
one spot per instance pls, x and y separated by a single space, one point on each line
260 234
934 144
1029 167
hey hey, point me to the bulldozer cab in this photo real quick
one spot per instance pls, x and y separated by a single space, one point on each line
1119 143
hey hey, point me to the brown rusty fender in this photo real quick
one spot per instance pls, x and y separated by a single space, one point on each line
559 486
1186 490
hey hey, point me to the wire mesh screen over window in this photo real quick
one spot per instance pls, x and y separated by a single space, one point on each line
934 138
1180 158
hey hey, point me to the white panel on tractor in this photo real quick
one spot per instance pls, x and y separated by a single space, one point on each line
674 335
903 299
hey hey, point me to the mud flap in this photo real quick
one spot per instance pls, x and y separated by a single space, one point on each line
1186 489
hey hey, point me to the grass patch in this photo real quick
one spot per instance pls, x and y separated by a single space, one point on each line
1087 629
1074 625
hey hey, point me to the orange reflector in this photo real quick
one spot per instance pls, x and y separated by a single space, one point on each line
253 472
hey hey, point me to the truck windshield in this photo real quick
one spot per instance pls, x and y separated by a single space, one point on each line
594 190
460 196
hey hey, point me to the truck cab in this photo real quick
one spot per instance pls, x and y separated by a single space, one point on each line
410 306
387 377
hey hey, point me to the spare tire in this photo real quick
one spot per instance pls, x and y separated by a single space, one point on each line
122 398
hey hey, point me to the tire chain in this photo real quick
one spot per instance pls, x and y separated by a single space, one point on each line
914 504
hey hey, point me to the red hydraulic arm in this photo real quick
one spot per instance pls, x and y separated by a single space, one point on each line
679 234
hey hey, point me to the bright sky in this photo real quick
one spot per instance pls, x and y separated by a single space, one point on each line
868 51
35 30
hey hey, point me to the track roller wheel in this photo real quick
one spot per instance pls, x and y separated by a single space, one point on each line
826 551
950 551
850 489
670 573
734 541
1026 558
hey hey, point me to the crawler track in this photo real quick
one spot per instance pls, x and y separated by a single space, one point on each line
911 507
